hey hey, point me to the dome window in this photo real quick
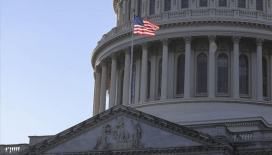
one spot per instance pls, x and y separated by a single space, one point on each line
167 5
242 3
259 5
203 3
202 73
184 3
223 3
152 7
180 74
222 77
243 74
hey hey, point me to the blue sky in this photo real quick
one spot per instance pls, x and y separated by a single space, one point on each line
46 76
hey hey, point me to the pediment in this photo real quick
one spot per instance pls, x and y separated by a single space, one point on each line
122 128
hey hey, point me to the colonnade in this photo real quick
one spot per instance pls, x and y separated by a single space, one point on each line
101 71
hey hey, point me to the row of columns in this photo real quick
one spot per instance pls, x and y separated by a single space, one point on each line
100 80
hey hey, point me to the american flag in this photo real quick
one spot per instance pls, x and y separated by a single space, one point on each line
144 27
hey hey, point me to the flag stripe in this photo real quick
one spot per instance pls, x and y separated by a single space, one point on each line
144 27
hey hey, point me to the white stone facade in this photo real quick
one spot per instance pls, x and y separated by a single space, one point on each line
237 33
203 85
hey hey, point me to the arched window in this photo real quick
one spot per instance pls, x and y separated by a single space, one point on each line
223 3
243 74
167 5
180 74
264 77
259 5
133 81
203 3
140 8
152 7
242 3
202 73
148 79
222 73
160 78
184 3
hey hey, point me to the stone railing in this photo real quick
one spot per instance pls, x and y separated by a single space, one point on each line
12 149
267 135
191 15
252 136
242 136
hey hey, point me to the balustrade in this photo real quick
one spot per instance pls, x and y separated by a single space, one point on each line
245 136
227 13
174 15
252 136
126 27
248 14
12 149
267 135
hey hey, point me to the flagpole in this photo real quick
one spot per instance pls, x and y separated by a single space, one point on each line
131 57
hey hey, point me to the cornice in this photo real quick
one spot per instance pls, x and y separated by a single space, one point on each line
258 123
219 149
202 100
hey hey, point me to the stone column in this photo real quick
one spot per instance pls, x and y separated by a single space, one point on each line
153 74
259 42
121 13
125 11
235 71
171 72
116 85
144 72
211 81
113 81
270 75
187 78
103 86
126 77
165 43
97 91
137 57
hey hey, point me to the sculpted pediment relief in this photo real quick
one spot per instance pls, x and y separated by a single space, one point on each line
122 128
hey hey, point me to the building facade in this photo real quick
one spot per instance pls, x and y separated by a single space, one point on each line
203 85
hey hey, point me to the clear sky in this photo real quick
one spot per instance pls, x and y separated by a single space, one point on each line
46 75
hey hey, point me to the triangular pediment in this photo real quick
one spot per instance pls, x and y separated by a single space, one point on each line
122 128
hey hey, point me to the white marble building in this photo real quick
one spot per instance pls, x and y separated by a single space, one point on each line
210 63
203 85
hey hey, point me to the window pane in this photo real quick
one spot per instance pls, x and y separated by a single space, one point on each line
202 73
180 74
259 5
184 3
264 77
223 3
140 8
222 77
203 3
243 74
133 81
242 3
152 7
160 77
167 5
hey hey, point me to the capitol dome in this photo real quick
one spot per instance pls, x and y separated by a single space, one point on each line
209 64
202 86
